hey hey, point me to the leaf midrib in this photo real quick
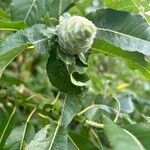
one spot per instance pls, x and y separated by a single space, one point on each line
29 10
54 136
122 34
10 118
140 11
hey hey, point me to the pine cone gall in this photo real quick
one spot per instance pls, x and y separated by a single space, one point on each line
76 34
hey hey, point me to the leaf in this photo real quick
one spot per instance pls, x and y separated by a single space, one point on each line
128 31
16 43
141 131
143 7
25 132
9 80
76 67
72 106
127 5
125 103
119 138
13 142
83 7
136 6
72 145
81 142
6 125
9 56
80 7
136 59
3 14
51 137
34 11
8 25
59 75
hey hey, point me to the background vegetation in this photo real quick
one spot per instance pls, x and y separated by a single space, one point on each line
113 114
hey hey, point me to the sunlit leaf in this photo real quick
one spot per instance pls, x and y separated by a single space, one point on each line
8 25
3 14
136 6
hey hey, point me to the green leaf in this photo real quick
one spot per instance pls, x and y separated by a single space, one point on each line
51 137
83 7
16 43
136 6
26 132
141 131
3 14
6 125
119 138
72 106
136 59
128 31
13 142
81 142
7 57
9 25
9 80
33 11
126 104
59 75
80 7
127 5
77 68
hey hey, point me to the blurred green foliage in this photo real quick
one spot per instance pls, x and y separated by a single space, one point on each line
25 84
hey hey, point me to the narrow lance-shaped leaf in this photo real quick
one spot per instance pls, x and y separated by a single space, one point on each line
14 139
34 11
141 131
71 107
136 6
119 138
81 143
9 25
127 5
3 14
6 127
128 31
16 43
25 135
81 7
51 137
136 59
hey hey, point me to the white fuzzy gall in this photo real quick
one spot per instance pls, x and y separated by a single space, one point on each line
76 34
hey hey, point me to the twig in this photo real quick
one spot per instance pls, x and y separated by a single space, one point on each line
119 108
94 124
24 89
